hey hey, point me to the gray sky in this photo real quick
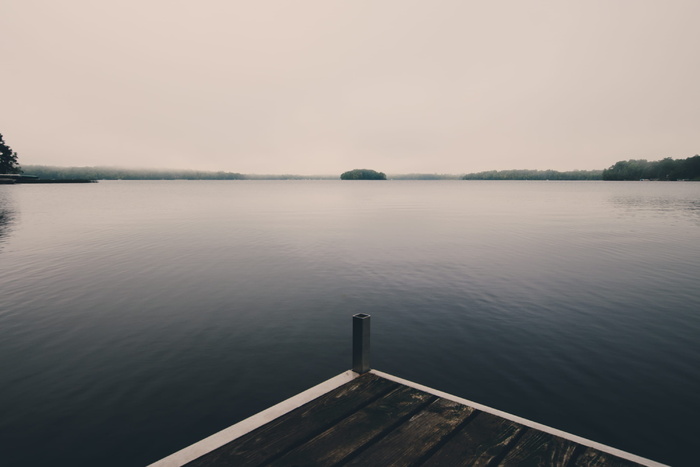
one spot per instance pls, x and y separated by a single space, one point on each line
322 86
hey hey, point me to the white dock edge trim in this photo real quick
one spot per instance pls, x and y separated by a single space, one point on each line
523 421
243 427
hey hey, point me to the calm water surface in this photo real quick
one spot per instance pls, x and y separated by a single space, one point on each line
139 317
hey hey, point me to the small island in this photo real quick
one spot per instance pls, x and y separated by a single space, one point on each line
363 174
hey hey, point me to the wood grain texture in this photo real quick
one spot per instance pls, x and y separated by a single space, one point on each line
537 448
413 439
594 458
360 428
299 425
478 443
372 421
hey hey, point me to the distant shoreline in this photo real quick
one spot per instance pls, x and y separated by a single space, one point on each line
667 169
115 173
40 181
20 179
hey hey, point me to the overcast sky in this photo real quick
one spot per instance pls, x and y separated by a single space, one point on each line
322 86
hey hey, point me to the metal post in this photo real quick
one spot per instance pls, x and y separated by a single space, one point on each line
360 343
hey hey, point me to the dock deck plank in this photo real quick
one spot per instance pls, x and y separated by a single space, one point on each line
372 420
299 425
594 458
356 431
481 441
536 448
414 439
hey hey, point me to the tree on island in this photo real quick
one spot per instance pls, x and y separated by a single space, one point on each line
8 159
363 174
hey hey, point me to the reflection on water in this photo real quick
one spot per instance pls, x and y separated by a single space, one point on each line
670 199
6 213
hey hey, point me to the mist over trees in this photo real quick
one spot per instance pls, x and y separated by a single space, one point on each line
535 175
633 169
664 169
112 173
363 174
8 159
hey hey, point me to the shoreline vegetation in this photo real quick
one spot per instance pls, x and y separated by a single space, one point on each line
525 174
18 179
667 169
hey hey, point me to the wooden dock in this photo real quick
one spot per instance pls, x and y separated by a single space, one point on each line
376 420
370 418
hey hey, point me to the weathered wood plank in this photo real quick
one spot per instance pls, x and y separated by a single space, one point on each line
537 448
373 421
299 425
478 443
413 439
594 458
338 442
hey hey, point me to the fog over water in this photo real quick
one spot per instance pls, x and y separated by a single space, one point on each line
139 317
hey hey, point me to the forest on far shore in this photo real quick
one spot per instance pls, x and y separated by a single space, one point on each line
524 174
114 173
633 169
665 169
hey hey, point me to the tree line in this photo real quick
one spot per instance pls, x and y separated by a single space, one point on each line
664 169
633 169
113 173
535 175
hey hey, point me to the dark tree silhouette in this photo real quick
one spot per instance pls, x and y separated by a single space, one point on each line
8 159
363 174
665 169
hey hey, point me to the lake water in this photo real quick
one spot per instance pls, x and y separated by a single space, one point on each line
139 317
